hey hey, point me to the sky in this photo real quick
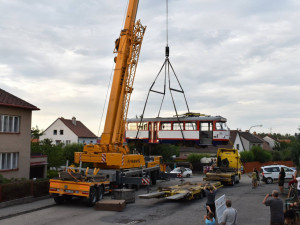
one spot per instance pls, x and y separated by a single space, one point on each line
237 58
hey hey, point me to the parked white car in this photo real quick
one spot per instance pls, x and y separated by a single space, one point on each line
186 172
271 173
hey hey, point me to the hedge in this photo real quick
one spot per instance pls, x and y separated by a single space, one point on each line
23 189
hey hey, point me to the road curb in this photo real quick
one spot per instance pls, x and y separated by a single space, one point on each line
26 211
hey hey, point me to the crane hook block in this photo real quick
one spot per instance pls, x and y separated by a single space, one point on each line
167 51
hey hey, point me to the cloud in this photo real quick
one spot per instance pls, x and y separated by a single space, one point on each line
237 60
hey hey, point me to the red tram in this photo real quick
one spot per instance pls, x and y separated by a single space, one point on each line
188 130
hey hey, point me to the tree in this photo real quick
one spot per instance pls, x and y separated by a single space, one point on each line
69 150
36 132
247 156
261 155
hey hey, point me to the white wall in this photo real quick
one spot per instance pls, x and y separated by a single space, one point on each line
238 142
67 133
271 141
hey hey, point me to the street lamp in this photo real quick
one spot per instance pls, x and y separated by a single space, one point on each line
255 126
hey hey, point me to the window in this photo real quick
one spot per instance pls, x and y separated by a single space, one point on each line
238 146
9 161
57 142
287 169
190 126
272 169
143 126
165 126
54 132
9 124
177 126
132 126
205 126
61 132
69 142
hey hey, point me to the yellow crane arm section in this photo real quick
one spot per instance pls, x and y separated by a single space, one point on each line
128 48
111 153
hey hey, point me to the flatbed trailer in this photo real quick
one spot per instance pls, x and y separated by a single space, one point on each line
93 184
186 191
225 176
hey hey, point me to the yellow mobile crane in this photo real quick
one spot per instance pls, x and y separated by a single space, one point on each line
118 167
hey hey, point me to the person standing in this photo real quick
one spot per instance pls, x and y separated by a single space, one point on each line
257 175
253 176
229 215
210 192
276 208
209 218
281 180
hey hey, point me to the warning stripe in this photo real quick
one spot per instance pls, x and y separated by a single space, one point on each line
145 181
103 156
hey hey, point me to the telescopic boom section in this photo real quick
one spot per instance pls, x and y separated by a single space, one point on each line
128 48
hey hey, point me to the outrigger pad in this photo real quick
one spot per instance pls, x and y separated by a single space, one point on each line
111 205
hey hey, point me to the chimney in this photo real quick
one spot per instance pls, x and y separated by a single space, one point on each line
74 120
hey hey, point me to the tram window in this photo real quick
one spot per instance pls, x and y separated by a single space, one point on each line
132 126
176 126
190 126
221 126
165 126
143 126
205 127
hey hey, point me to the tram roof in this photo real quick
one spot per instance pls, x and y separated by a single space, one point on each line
182 118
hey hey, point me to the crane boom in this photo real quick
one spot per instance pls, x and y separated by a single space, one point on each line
111 153
119 89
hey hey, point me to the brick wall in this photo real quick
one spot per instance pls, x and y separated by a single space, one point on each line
248 167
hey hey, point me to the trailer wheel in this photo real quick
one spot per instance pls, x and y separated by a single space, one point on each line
92 197
100 193
59 200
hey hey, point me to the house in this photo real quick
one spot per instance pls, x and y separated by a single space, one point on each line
68 131
15 136
271 140
247 141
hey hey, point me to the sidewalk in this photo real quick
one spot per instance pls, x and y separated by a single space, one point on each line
19 209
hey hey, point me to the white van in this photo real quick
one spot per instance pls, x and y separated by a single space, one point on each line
271 173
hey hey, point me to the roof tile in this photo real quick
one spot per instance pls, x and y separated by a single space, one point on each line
79 129
7 99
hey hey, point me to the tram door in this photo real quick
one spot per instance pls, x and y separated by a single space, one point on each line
206 133
153 137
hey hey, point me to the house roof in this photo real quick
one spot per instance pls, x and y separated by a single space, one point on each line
7 99
79 129
250 137
233 134
266 145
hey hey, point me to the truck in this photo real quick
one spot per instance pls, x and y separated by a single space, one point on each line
114 166
228 167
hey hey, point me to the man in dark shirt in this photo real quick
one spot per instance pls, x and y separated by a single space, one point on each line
210 192
276 208
281 180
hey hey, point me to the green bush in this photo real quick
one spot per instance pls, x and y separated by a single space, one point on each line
196 157
16 190
3 180
261 155
40 188
52 174
276 156
286 155
247 156
165 150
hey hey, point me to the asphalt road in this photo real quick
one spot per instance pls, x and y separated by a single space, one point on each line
155 211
